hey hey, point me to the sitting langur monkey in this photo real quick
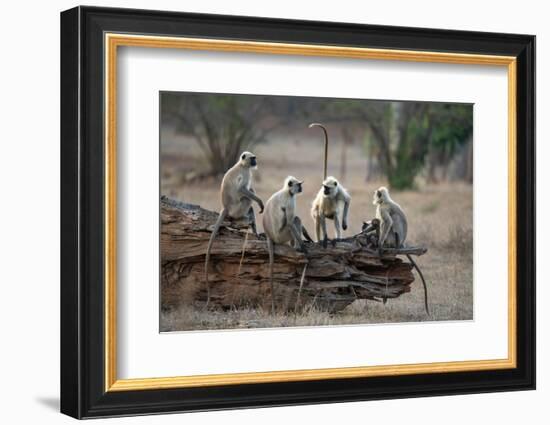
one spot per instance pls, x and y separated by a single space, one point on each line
392 231
237 195
282 225
332 201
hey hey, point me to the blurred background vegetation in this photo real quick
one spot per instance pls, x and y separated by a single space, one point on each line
402 140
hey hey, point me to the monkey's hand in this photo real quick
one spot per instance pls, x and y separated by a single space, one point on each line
344 225
261 205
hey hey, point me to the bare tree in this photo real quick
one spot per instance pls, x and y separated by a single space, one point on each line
222 125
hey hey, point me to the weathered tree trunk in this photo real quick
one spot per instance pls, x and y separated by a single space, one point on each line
332 278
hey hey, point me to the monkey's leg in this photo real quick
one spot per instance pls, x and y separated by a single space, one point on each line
302 230
318 228
306 234
423 283
271 259
296 230
324 228
220 220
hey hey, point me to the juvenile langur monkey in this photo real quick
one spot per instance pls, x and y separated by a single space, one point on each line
392 223
282 225
371 229
332 201
237 194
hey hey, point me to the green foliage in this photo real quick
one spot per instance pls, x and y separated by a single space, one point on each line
418 128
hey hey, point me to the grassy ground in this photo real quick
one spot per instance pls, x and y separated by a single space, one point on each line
439 216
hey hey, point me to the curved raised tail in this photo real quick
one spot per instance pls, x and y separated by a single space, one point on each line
316 124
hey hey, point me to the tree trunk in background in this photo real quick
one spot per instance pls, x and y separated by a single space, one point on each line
333 277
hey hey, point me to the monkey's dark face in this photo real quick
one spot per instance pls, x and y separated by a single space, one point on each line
248 159
294 185
330 187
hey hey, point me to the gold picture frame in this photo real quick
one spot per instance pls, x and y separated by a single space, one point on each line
114 41
91 40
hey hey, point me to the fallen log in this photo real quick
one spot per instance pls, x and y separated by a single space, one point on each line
329 278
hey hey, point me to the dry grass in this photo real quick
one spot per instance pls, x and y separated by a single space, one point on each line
440 218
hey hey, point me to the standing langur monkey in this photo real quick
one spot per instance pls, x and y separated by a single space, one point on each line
332 202
237 195
392 223
282 225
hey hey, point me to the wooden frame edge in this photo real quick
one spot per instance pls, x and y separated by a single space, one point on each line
114 40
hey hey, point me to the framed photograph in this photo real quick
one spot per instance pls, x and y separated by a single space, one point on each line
261 212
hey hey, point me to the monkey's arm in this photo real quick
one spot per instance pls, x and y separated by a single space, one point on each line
323 227
386 225
251 195
347 201
285 220
337 225
296 230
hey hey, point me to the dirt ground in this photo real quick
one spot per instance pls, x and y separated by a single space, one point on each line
439 217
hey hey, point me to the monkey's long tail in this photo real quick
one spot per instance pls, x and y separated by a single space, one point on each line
423 283
315 124
270 249
220 220
243 252
297 303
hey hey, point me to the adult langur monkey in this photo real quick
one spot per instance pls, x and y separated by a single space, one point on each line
237 194
282 225
393 229
332 202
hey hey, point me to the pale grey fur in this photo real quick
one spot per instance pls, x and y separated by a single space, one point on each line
332 202
281 224
393 221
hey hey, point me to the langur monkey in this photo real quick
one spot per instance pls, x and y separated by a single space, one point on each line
332 202
392 220
237 194
392 223
282 225
371 229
